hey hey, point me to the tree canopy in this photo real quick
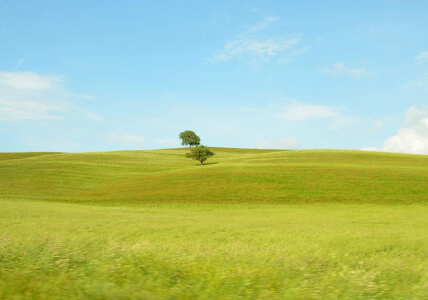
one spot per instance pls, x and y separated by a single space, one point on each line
189 138
200 153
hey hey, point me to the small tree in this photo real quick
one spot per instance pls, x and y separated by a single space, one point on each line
190 138
200 153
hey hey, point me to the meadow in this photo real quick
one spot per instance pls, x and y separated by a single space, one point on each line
251 224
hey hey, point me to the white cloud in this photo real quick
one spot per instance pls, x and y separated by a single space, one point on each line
31 96
265 144
254 48
288 143
412 137
422 58
340 69
414 116
126 139
279 143
298 111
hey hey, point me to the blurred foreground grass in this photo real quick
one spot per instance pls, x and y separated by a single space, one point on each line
213 251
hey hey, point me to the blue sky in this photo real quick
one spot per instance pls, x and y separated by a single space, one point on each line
110 75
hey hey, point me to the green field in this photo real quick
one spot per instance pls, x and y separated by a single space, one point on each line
250 224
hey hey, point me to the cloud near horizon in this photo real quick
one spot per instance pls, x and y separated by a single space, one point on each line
412 137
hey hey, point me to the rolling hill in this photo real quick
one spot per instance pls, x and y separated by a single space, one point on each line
156 225
231 176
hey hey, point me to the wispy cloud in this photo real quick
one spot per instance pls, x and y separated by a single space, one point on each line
29 81
168 141
412 137
377 125
126 139
279 143
422 58
19 64
266 22
420 82
262 49
87 97
250 45
340 69
326 117
298 111
31 96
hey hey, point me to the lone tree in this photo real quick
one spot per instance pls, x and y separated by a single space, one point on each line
190 138
200 153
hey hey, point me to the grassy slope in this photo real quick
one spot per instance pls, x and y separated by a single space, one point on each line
350 246
233 175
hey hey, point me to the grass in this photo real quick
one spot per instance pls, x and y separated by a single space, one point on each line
330 251
252 224
232 176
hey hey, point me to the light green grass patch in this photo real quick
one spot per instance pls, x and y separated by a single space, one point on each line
209 251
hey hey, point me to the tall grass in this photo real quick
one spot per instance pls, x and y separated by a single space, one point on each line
209 251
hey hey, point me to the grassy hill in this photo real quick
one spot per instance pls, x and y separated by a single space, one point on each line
251 224
232 176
